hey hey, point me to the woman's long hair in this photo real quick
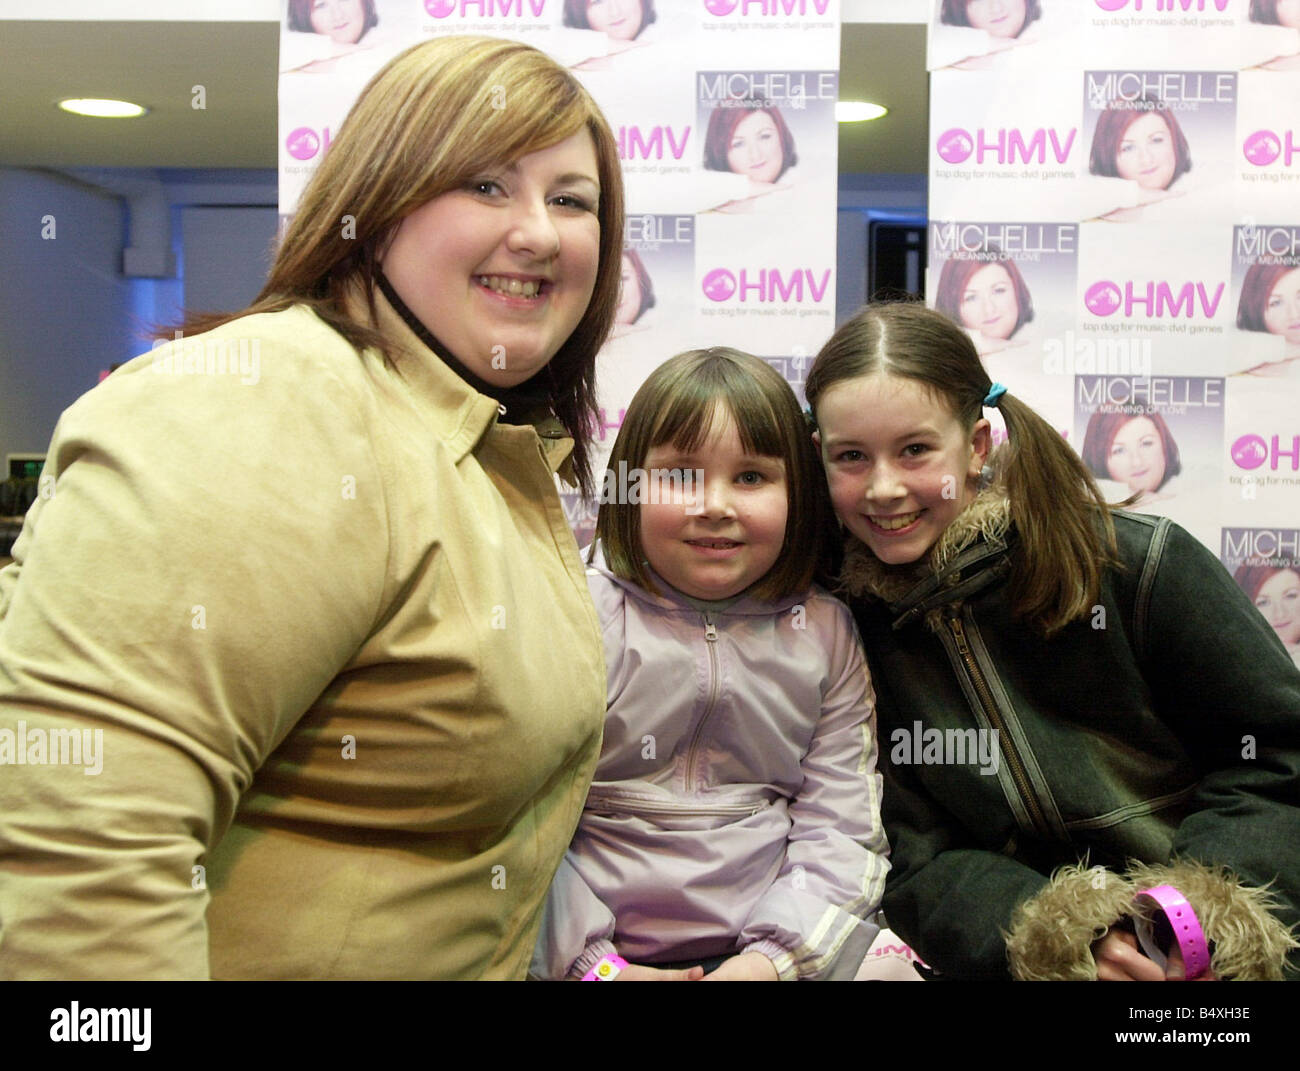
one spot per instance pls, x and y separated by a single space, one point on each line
433 118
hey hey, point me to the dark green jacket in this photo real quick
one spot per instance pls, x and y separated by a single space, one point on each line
1167 722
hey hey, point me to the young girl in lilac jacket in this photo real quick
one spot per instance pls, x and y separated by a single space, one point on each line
733 829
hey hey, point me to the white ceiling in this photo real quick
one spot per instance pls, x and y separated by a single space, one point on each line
159 64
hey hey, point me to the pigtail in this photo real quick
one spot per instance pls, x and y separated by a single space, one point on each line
1067 534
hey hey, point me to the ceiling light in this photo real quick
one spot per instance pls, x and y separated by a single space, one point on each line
102 109
857 111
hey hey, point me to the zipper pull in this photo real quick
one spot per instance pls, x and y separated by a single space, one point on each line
710 630
501 410
959 634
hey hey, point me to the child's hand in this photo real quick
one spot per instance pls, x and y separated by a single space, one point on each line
1120 960
1177 972
746 967
636 972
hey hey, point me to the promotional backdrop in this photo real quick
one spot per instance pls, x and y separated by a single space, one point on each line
1141 284
724 115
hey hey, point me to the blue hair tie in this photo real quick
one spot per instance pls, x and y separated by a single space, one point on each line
995 392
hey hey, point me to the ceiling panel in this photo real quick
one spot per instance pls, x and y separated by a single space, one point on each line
158 64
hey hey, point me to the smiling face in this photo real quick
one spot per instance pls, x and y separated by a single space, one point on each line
727 535
342 21
1146 153
1282 309
629 295
988 303
755 148
502 270
1279 601
620 19
1137 456
899 464
999 18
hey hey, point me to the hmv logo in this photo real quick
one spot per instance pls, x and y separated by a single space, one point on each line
1265 146
1157 300
305 142
484 9
1251 451
767 284
645 143
771 8
1005 146
1163 5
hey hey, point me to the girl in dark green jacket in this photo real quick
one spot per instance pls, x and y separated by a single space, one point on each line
1077 703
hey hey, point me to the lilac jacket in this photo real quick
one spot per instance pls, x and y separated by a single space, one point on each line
736 803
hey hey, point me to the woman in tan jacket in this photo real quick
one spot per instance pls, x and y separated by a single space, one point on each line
299 676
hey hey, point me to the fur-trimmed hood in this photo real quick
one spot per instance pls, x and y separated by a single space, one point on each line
984 524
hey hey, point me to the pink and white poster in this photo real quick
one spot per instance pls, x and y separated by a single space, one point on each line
1010 285
1266 300
1169 132
1159 145
723 111
999 36
1156 440
1265 563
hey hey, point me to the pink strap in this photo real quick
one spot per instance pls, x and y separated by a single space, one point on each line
606 970
1186 927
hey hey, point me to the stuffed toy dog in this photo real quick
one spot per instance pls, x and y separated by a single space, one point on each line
1052 933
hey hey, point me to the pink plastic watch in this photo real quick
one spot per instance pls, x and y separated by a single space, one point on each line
1186 927
606 970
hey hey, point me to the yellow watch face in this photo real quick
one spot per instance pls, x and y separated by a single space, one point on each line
604 969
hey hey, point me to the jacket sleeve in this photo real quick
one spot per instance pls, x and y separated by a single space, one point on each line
188 583
818 918
577 928
1223 677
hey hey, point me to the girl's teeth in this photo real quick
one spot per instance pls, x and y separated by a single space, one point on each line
513 287
892 524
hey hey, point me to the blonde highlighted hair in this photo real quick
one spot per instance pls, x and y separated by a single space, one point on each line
1066 534
431 120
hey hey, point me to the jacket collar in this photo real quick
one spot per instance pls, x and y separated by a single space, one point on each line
516 405
969 556
463 415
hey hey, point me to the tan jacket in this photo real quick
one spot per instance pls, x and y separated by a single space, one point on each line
334 629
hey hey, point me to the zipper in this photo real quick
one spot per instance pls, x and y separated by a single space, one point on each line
710 642
982 690
628 805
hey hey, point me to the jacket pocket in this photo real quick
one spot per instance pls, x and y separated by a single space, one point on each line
1140 809
614 803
